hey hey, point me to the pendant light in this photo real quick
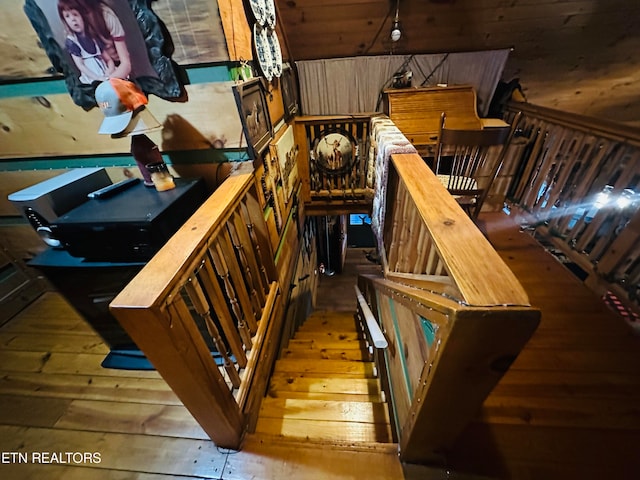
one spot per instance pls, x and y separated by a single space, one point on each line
396 33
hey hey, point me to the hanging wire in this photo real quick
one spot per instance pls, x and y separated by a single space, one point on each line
404 65
396 24
382 24
434 70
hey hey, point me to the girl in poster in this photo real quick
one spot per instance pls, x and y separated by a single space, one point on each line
84 44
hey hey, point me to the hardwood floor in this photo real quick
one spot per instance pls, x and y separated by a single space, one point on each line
568 408
335 292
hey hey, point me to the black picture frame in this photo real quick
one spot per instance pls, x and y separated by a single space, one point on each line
148 42
254 115
289 86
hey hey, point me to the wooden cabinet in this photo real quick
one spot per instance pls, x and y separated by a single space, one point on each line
416 111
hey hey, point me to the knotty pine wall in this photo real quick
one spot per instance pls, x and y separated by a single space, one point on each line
44 133
577 56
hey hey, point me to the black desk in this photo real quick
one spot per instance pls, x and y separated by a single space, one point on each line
89 287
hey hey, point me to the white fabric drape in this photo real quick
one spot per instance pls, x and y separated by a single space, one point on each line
354 84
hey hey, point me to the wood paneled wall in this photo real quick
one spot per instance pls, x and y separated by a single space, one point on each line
43 132
576 56
209 118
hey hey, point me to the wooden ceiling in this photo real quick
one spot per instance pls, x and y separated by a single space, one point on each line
580 56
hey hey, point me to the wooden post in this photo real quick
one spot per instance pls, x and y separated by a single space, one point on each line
479 348
175 347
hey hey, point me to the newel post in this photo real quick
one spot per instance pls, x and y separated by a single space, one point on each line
171 341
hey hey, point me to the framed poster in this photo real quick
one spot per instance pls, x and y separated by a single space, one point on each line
286 151
89 41
254 114
273 194
289 87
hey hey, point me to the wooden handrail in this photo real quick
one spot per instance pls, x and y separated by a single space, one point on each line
597 126
207 294
474 266
454 314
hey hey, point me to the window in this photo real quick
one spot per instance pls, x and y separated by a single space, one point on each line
359 219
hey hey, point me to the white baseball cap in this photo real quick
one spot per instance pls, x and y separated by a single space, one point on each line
118 100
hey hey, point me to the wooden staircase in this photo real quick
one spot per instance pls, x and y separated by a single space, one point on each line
324 388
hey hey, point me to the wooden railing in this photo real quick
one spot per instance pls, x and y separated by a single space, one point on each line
329 185
454 315
208 310
576 182
205 305
373 334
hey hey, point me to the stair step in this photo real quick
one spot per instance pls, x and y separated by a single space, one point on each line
335 397
325 420
335 317
326 344
346 354
324 323
328 313
331 318
325 368
323 431
344 318
360 386
325 410
328 336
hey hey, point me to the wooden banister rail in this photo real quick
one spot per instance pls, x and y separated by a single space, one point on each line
601 127
454 315
429 238
201 308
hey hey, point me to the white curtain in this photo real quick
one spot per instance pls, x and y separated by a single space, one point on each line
355 84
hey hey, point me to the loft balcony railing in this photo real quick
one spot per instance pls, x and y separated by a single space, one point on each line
575 181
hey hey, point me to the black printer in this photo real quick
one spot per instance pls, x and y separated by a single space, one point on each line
129 226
